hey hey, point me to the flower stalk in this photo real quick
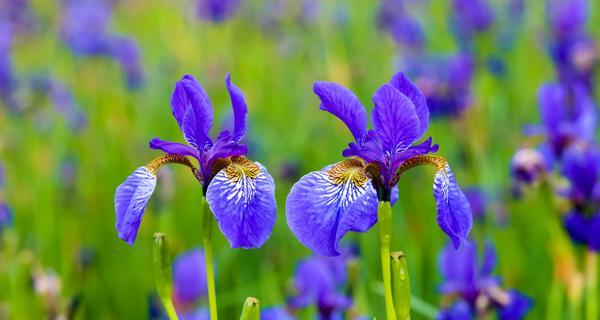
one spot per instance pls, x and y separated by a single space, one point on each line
400 286
251 310
163 273
591 280
210 273
384 216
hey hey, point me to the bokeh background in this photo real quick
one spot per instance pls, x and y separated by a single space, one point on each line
76 116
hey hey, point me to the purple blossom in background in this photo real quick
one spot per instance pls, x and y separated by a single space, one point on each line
581 167
472 16
18 14
445 81
477 200
394 17
217 11
568 115
275 313
325 205
527 166
199 313
476 290
8 79
85 30
573 50
61 98
239 192
320 281
189 278
6 216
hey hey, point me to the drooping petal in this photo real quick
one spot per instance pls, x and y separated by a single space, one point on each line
594 233
517 307
193 111
409 89
324 205
131 199
454 210
344 104
173 147
394 120
189 277
242 198
577 226
240 109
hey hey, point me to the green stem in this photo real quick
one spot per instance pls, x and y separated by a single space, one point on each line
163 273
591 282
251 310
400 286
384 216
208 256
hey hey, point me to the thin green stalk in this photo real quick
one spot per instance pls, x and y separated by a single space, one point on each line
400 286
208 256
163 273
384 215
251 310
591 285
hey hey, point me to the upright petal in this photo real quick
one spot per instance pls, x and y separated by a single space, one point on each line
394 120
240 109
324 205
459 269
131 199
342 103
173 147
454 211
409 89
193 111
242 198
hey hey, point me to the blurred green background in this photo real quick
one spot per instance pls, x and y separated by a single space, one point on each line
57 220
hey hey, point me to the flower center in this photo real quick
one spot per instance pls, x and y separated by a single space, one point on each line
241 166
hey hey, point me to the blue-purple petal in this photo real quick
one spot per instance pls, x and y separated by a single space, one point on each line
169 147
518 305
489 259
131 199
394 120
320 211
594 233
189 277
275 313
240 109
454 212
344 104
577 227
244 206
409 89
459 269
193 111
459 310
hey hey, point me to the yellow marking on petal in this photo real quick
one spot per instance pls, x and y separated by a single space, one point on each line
241 166
352 170
438 162
153 165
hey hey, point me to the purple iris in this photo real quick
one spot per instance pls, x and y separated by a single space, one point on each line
239 192
275 313
8 79
393 16
477 291
472 16
320 281
324 205
527 166
85 30
189 284
6 216
217 11
581 167
445 81
568 115
573 50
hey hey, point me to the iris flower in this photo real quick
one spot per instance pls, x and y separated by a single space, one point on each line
239 192
325 205
189 284
477 290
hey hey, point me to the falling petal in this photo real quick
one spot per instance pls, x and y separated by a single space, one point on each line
131 199
324 205
242 198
